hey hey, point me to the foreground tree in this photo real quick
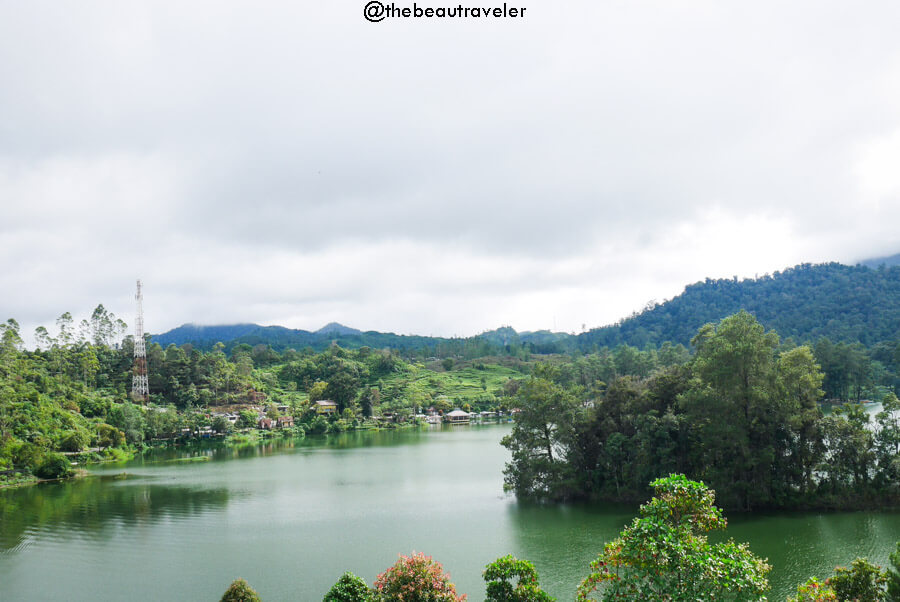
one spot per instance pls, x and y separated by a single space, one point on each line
814 591
416 578
862 582
663 554
499 574
349 588
893 576
240 591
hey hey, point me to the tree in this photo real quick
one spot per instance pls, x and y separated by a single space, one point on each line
317 390
862 582
663 554
349 588
415 578
342 387
735 406
54 466
109 436
892 575
800 380
499 588
541 441
814 591
240 591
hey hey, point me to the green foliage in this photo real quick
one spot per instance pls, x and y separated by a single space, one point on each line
892 576
541 441
54 466
349 588
240 591
814 591
415 578
74 440
862 582
664 553
743 415
806 302
502 571
318 426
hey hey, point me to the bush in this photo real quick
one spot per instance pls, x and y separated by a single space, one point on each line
54 466
893 576
416 578
499 589
349 588
862 582
240 591
317 426
664 553
814 591
74 441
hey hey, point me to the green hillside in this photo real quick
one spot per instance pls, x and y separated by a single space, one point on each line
806 302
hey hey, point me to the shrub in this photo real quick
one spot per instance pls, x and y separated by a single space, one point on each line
317 426
416 578
663 554
349 588
862 582
74 441
499 589
54 466
814 591
893 576
240 591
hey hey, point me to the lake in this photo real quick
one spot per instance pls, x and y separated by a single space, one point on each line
291 516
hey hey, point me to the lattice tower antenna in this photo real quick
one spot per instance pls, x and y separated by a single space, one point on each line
140 388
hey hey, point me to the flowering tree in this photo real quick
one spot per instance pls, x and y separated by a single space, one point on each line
416 578
663 554
814 591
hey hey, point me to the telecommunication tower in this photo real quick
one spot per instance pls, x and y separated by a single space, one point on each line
140 388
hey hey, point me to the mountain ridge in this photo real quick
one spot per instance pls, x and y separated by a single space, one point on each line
845 303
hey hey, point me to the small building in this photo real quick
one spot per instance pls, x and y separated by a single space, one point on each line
326 406
264 423
458 417
285 421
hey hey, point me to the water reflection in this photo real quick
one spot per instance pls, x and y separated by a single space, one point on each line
97 505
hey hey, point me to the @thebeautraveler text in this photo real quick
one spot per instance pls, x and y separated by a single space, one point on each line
376 11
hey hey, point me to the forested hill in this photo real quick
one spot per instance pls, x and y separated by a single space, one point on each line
280 338
806 302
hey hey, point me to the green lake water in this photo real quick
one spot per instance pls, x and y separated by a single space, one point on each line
291 516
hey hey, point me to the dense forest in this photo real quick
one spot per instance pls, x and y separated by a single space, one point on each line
807 302
742 414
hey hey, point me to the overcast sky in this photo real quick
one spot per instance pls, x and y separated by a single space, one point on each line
291 163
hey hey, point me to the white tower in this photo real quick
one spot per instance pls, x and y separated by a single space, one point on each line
140 388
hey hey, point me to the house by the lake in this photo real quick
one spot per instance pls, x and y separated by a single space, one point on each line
457 417
326 406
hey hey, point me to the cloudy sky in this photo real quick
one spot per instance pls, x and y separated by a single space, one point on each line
291 163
